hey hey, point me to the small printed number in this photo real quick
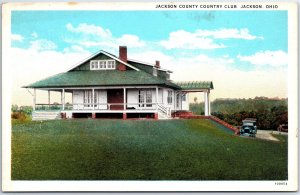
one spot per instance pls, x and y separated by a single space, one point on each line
280 183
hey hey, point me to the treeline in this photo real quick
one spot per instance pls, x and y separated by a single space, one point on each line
269 112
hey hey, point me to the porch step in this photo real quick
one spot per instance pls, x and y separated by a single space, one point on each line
45 115
183 114
163 112
163 116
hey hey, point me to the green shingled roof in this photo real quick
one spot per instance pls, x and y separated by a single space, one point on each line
101 78
194 85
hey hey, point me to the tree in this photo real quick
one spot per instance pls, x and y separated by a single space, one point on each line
14 108
269 112
195 99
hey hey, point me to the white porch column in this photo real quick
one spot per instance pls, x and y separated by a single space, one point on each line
49 98
93 98
34 99
181 94
72 99
206 102
175 100
124 98
156 90
63 99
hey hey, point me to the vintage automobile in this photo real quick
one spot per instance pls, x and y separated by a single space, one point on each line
249 127
283 128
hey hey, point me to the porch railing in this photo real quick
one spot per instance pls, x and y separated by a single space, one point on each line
98 106
164 110
48 106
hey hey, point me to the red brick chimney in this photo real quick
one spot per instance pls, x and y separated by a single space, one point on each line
157 64
123 57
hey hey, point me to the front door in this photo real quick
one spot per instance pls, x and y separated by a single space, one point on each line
115 97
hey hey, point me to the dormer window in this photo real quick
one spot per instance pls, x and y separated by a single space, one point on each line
154 72
168 76
103 64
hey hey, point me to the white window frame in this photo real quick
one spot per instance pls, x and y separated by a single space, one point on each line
154 71
177 100
103 64
87 98
111 64
145 98
93 64
148 98
168 76
183 97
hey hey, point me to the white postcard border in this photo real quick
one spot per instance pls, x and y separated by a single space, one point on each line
9 185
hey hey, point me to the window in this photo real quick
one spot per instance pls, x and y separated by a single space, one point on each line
148 98
102 64
154 71
141 99
94 64
145 98
184 97
110 64
177 100
87 98
170 97
168 76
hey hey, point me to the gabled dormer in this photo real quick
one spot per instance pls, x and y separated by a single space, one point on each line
106 61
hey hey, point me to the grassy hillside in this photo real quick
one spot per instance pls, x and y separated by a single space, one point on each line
141 150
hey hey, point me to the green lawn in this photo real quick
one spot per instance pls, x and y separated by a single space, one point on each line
87 149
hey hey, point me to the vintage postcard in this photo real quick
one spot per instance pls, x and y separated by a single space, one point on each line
147 96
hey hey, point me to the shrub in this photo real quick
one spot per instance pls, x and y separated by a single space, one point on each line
197 108
14 108
26 110
19 115
270 113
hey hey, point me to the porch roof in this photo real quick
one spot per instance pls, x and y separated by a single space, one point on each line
101 78
195 85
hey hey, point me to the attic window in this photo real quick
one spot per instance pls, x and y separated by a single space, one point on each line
168 76
154 71
102 64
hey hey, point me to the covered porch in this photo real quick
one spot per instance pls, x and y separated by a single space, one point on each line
204 87
154 101
129 100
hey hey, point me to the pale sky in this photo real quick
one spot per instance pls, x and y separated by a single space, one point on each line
244 53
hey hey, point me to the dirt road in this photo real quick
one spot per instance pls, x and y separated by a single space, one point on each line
267 135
